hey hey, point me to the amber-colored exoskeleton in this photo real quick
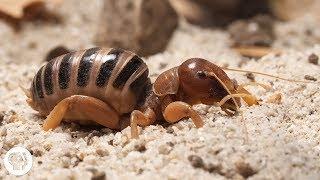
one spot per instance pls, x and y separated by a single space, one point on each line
111 87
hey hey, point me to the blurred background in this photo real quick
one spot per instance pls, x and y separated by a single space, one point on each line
38 30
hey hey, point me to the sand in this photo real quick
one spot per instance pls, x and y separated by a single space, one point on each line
283 137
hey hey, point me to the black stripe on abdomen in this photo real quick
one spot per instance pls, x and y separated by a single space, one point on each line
48 85
107 67
139 85
85 66
38 84
65 71
140 82
134 63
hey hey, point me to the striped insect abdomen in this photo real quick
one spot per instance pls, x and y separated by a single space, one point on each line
115 76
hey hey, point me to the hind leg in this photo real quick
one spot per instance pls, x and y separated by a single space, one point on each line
177 110
79 107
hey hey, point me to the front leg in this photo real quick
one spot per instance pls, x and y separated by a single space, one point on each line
249 98
177 110
142 119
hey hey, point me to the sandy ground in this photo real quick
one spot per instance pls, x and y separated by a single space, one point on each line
283 138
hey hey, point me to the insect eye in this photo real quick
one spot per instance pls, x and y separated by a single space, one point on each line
201 74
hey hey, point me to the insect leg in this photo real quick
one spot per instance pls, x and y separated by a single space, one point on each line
178 110
86 108
266 87
249 99
142 119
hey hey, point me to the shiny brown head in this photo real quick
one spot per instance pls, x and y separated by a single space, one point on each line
198 81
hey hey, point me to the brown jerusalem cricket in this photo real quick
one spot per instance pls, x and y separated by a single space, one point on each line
111 87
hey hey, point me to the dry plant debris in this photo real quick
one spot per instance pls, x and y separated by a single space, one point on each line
255 51
292 9
15 8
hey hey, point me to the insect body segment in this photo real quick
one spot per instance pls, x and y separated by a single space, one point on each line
64 71
111 87
206 82
94 72
85 65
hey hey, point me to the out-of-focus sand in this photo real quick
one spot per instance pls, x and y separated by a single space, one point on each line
283 138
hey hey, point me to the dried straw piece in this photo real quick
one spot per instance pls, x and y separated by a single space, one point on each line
255 51
15 8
